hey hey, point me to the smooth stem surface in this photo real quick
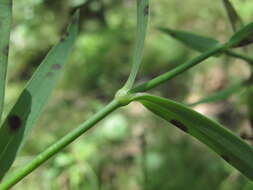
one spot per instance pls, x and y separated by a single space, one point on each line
240 56
176 71
14 178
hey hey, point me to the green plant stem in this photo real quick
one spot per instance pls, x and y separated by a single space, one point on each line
178 70
240 56
14 178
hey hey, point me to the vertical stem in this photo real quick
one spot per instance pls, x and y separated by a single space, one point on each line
59 145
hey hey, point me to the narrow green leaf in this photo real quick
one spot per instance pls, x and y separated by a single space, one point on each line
5 28
221 95
29 106
142 22
201 43
191 40
230 147
233 16
243 37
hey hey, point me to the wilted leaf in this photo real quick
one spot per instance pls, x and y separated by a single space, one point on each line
230 147
30 103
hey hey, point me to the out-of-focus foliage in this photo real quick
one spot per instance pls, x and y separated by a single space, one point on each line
127 150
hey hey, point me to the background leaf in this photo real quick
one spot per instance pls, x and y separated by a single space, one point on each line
221 95
28 108
5 28
230 147
233 16
243 37
201 43
191 40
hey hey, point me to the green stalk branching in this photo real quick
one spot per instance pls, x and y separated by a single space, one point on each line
176 71
59 145
169 110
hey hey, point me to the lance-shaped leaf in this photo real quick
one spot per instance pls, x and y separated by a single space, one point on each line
5 28
221 95
233 16
243 37
191 40
201 43
230 147
142 22
30 103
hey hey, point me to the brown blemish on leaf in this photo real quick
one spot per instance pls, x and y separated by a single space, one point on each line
6 50
146 10
49 74
56 66
179 125
226 158
245 42
14 122
245 136
64 36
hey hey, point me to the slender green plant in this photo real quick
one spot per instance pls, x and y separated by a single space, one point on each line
20 121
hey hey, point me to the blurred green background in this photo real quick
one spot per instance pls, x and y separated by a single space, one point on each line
131 149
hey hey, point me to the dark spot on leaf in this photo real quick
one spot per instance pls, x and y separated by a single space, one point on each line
64 36
244 42
6 50
56 66
226 158
179 125
14 122
245 136
146 10
50 74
